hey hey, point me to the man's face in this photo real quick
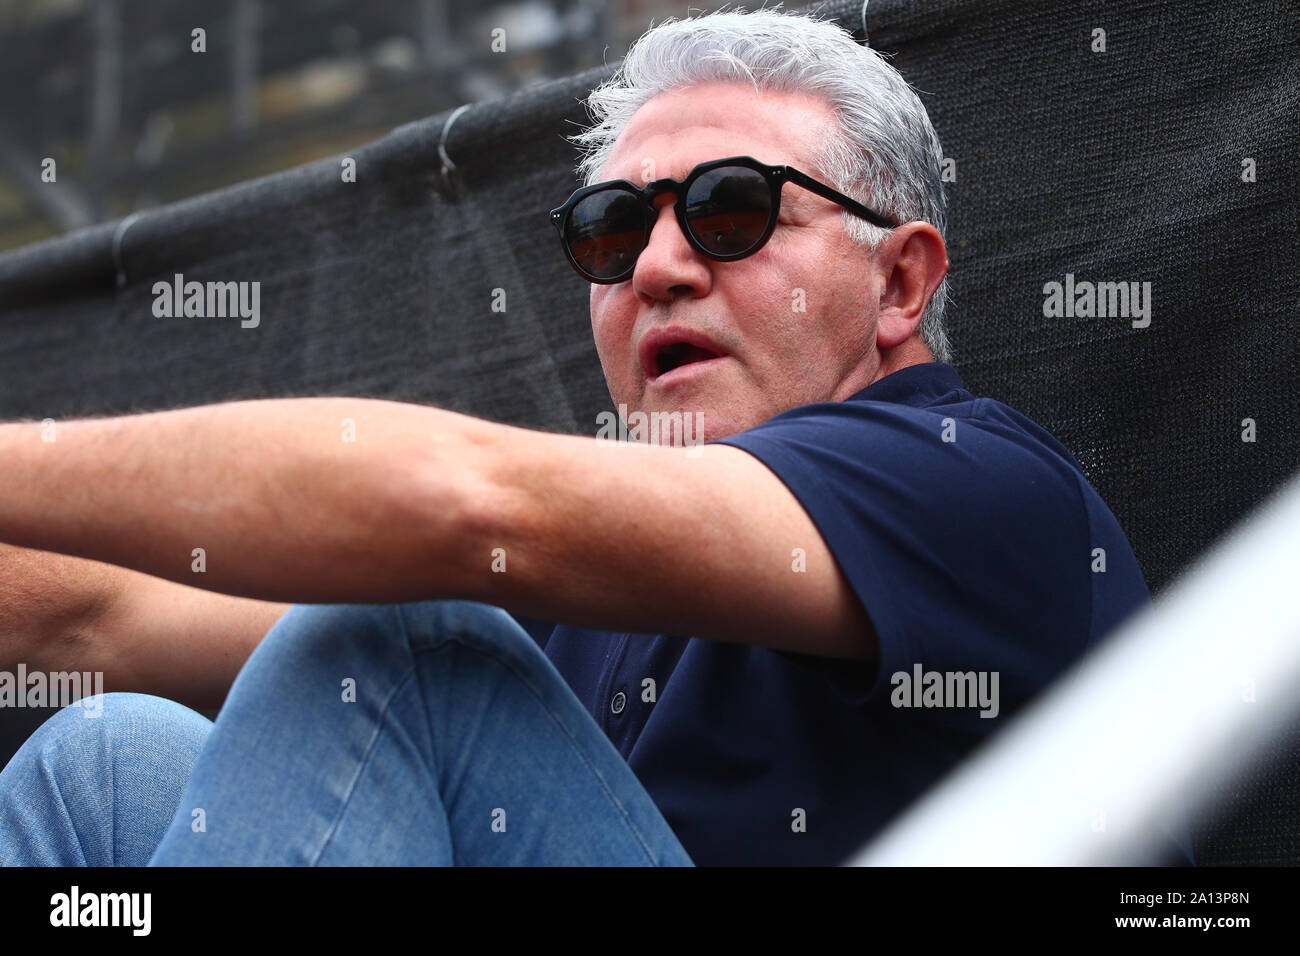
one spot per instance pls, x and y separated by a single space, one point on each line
792 324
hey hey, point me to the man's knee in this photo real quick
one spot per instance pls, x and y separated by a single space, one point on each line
334 631
327 653
439 621
117 726
98 782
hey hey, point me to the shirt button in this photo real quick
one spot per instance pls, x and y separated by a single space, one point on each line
618 703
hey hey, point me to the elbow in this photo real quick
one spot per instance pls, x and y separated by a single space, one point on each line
462 520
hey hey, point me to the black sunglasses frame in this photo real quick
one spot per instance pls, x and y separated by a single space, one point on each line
775 176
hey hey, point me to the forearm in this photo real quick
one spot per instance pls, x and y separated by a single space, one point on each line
141 633
47 602
311 500
270 500
158 637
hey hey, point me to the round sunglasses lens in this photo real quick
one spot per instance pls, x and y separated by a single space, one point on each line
606 232
728 209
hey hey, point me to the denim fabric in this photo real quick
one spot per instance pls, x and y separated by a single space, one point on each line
421 734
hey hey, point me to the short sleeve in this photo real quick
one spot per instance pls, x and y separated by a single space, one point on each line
964 535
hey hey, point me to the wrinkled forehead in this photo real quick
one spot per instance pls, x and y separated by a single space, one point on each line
678 129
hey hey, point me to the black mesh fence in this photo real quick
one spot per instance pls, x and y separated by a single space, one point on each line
1166 160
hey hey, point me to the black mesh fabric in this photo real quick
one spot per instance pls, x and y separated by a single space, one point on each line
1124 165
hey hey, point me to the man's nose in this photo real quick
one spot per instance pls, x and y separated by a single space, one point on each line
669 264
665 228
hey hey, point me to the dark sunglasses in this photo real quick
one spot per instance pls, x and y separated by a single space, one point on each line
730 211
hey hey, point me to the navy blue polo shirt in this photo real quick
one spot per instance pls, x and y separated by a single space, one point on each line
975 544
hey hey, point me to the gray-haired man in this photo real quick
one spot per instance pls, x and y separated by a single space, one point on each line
767 644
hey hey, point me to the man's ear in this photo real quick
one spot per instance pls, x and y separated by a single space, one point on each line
914 261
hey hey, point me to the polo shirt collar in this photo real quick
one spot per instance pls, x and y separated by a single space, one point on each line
916 385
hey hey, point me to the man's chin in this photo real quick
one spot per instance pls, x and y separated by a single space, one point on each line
694 410
672 427
681 423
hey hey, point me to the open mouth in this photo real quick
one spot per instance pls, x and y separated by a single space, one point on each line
677 354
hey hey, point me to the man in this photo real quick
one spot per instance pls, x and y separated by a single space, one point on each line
858 522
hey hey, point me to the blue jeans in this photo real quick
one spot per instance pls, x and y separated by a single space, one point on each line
435 733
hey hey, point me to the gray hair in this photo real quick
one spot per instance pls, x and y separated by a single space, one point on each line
885 153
